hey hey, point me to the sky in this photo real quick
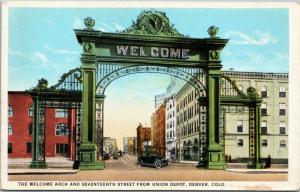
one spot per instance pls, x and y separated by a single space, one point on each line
42 43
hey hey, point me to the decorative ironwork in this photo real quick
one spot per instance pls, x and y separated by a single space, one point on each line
203 134
194 76
60 104
70 81
99 128
153 23
252 133
42 126
229 88
78 133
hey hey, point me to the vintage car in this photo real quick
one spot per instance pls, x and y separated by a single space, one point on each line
105 156
151 159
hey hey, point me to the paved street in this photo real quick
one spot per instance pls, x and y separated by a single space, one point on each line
125 168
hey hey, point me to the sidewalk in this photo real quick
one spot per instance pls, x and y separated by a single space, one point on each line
48 171
255 171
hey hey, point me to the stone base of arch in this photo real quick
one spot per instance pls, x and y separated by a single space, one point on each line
38 165
88 158
215 157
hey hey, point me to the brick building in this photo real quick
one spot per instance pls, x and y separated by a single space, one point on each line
60 128
143 138
160 145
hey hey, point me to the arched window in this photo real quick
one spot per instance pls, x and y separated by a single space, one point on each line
282 92
62 129
264 128
264 93
281 108
264 109
282 128
30 111
10 111
10 129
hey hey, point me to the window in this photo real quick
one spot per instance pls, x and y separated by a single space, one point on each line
62 129
282 128
282 92
30 129
264 128
30 111
264 109
9 148
10 111
282 143
62 149
10 129
61 113
240 143
281 109
239 126
264 92
264 143
28 147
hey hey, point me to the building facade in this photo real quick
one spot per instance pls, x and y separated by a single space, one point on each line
129 145
143 138
170 128
160 131
187 124
272 87
110 145
60 128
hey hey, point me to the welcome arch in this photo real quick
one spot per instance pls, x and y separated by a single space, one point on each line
150 45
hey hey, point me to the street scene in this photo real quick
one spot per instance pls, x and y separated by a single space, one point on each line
147 95
126 169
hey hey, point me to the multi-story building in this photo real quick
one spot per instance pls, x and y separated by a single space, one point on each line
110 145
187 123
160 145
153 129
129 145
143 138
272 87
170 128
59 128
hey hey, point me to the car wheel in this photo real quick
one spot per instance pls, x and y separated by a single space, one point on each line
157 163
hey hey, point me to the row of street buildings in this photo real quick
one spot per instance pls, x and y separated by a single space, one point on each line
178 120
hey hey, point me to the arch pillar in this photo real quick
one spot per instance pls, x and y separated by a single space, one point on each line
38 159
254 135
88 148
215 149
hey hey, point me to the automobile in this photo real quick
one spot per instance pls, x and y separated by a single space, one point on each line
105 156
115 156
151 159
120 153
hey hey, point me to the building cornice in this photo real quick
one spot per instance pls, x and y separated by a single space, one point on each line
256 75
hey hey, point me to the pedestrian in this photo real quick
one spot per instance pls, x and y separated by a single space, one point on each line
229 158
268 162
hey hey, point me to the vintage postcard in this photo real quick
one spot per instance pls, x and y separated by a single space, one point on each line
128 95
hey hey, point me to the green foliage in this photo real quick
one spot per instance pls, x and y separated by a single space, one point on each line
251 93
